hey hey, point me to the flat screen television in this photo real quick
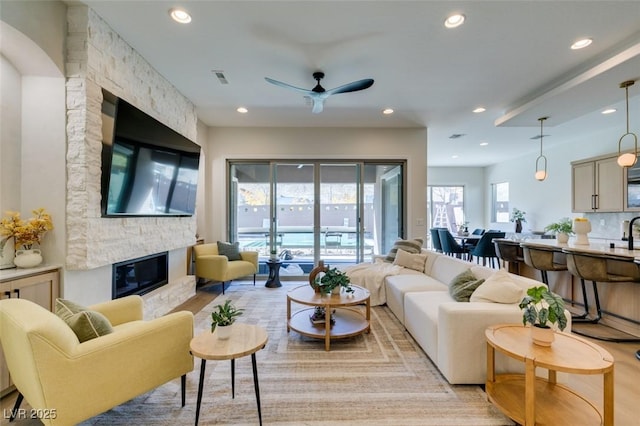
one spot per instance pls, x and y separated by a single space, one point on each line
148 169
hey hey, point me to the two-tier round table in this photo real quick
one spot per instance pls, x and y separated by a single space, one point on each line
529 399
348 319
245 340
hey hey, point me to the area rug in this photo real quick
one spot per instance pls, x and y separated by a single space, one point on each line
380 378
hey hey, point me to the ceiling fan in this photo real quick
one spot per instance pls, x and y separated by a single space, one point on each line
318 94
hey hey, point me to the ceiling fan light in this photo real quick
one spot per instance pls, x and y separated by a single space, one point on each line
454 21
180 15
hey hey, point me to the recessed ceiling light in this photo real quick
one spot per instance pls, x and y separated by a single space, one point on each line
180 15
479 109
454 21
387 111
609 111
455 156
484 143
582 43
242 110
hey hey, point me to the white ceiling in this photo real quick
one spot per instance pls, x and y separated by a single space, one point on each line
513 58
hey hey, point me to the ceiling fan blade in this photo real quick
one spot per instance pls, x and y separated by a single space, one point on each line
287 86
318 104
351 87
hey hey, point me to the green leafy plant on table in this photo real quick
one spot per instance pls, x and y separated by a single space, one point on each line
224 315
334 278
518 215
543 308
563 226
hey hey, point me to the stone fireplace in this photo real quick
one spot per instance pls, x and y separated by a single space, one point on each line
140 276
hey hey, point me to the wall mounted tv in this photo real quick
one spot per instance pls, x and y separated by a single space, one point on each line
148 169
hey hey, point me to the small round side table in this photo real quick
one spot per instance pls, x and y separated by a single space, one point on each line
274 273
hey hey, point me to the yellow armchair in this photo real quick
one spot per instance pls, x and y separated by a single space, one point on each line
74 381
216 267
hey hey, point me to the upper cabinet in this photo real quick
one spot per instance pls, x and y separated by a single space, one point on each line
598 186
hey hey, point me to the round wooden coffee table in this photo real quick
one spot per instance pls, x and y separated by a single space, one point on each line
349 320
529 399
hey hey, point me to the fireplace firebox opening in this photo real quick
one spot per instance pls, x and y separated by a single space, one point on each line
141 275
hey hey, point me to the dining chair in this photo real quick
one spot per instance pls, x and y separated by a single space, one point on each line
435 240
478 231
485 248
450 246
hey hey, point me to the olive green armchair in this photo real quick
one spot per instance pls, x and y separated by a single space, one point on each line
73 381
212 265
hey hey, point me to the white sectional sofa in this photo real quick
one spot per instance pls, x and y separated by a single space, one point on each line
452 333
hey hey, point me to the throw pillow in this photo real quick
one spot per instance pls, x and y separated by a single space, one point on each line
410 261
66 308
231 250
498 288
89 324
410 246
463 285
85 323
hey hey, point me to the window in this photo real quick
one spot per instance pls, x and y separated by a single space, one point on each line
500 202
446 207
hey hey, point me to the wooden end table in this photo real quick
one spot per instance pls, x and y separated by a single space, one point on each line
528 399
349 321
245 340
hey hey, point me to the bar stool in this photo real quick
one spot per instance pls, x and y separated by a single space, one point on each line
595 268
546 258
509 251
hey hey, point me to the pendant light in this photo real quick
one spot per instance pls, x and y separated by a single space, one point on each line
541 161
627 159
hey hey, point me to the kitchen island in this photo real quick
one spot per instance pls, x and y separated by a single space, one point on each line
619 301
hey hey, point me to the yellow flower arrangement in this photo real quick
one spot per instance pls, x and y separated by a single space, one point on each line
26 232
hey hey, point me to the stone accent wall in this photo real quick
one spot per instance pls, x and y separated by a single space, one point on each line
164 299
97 57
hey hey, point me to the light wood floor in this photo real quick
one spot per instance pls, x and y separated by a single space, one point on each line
626 375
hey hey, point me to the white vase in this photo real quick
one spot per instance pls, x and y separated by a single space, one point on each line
336 290
223 331
28 258
8 253
581 229
562 238
542 336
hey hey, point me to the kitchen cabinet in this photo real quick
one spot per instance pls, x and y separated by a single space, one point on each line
40 285
597 185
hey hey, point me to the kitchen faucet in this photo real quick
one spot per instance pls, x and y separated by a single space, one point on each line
631 231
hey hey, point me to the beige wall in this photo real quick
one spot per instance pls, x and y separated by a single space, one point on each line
312 143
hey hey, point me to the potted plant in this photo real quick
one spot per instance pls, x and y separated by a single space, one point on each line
517 216
223 318
334 280
544 311
562 229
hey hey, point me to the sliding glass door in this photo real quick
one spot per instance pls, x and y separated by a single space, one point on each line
341 212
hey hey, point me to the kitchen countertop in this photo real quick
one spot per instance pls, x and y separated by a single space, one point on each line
600 247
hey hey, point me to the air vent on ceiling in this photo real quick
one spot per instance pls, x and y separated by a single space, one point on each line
220 75
456 135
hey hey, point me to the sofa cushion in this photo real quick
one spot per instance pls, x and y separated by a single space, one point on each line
231 250
408 260
498 288
410 246
445 268
463 285
85 323
397 286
